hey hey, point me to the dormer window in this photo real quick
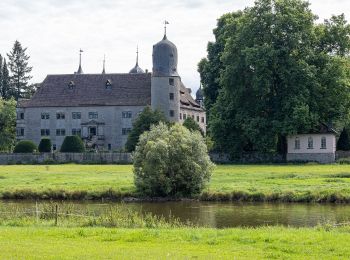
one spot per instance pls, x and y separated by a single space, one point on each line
108 84
71 85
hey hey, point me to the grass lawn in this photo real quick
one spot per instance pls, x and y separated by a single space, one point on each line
183 243
229 182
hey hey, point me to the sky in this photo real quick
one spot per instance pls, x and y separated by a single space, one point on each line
55 30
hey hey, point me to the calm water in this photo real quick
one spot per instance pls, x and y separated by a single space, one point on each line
224 215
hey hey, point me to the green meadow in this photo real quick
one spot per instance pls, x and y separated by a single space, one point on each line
178 243
288 183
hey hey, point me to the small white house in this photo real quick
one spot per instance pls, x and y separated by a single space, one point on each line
318 146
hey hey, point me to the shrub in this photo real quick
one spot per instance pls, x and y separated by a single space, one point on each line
192 125
45 145
72 144
343 142
25 146
171 161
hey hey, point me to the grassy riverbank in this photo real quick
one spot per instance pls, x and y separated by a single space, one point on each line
289 183
179 243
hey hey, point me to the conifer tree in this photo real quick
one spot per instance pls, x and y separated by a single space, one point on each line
5 82
20 71
1 88
343 142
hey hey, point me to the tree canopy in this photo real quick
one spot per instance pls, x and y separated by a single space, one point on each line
143 123
7 125
277 72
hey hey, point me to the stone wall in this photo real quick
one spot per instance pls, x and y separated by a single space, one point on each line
99 158
311 157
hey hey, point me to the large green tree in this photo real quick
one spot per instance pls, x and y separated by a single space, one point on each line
281 74
7 125
6 92
20 72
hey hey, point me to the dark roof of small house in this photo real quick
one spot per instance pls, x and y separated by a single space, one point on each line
324 129
72 90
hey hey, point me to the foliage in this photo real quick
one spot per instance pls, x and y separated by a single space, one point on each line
7 125
192 125
20 72
171 162
72 144
45 145
25 146
143 123
280 73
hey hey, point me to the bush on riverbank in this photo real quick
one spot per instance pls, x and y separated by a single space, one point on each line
72 144
25 146
171 161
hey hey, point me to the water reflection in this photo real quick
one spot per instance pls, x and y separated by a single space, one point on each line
225 215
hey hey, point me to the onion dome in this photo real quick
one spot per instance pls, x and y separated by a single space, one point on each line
136 69
165 59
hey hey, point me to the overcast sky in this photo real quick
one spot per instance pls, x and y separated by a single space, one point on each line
54 30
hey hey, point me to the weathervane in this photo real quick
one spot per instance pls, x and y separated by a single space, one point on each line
165 25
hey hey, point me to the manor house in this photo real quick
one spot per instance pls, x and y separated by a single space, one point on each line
102 107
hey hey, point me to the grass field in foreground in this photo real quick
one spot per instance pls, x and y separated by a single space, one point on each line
184 243
229 182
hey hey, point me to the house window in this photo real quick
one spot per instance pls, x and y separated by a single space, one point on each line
297 143
126 131
180 116
60 116
45 116
45 132
60 132
185 116
171 113
310 143
76 131
171 96
76 115
20 116
109 84
197 118
203 119
127 114
93 115
54 147
109 147
71 85
20 131
171 82
323 143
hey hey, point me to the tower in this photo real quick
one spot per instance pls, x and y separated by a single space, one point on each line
199 96
80 70
166 82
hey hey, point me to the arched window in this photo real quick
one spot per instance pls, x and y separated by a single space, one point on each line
323 143
310 143
297 143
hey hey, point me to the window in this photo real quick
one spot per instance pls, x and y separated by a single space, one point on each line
109 84
60 132
171 113
185 116
45 116
60 116
93 115
171 96
197 118
310 143
54 147
297 143
171 82
203 119
20 131
71 85
76 131
20 116
323 143
45 132
126 131
180 116
109 147
127 114
76 115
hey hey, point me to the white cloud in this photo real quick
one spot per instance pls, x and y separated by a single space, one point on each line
54 30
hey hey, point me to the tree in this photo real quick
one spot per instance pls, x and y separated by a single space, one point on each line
20 71
45 145
72 144
192 125
25 146
143 123
344 141
281 74
5 82
7 125
171 161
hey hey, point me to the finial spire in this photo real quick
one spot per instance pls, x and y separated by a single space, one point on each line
104 64
165 27
137 55
80 70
